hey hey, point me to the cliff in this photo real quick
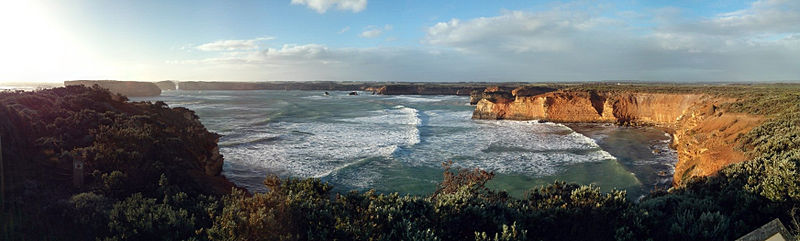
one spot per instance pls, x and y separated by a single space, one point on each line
703 134
166 85
272 85
131 144
126 88
507 92
382 88
424 89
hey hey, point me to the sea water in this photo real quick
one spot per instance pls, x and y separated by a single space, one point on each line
398 143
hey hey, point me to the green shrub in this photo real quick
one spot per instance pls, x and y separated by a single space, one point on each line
509 233
141 218
293 209
90 210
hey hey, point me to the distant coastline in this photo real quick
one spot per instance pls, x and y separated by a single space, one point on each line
144 88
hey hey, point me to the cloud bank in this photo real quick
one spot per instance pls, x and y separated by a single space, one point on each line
229 45
564 43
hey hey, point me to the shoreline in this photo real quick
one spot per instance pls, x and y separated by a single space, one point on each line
659 174
691 118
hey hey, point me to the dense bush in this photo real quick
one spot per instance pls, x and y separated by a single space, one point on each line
126 148
305 210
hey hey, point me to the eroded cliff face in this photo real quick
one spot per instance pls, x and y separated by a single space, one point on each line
126 88
506 92
422 89
706 139
703 135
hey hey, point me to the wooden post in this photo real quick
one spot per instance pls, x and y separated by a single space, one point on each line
77 171
2 178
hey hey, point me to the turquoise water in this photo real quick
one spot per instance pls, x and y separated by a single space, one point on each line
398 143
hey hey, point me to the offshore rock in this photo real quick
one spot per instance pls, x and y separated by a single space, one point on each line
424 89
166 85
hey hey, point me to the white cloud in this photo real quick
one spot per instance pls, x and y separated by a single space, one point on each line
321 6
514 31
565 43
763 24
229 45
345 29
763 16
320 62
373 31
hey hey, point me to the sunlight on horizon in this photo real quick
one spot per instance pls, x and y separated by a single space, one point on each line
38 48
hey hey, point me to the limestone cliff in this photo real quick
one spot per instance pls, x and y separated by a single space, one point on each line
506 92
166 85
423 89
126 88
703 134
270 85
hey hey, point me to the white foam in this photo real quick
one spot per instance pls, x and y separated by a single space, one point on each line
401 117
249 139
444 118
356 151
519 147
326 148
415 98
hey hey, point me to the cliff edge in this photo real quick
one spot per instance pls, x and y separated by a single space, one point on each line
126 88
704 135
132 145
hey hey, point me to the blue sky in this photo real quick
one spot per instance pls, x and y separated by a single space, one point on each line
685 40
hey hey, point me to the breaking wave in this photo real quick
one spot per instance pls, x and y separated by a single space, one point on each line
361 141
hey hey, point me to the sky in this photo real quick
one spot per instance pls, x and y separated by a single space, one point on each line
400 40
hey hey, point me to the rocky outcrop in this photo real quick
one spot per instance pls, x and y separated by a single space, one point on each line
506 91
491 93
704 135
166 85
475 96
423 89
126 88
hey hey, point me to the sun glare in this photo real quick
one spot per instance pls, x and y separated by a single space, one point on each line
35 47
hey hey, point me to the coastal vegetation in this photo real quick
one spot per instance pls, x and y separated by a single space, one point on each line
152 173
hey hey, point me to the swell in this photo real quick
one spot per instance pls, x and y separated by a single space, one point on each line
415 121
251 141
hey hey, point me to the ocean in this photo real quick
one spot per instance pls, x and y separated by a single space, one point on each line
398 143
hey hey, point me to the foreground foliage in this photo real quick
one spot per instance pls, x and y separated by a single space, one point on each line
142 184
